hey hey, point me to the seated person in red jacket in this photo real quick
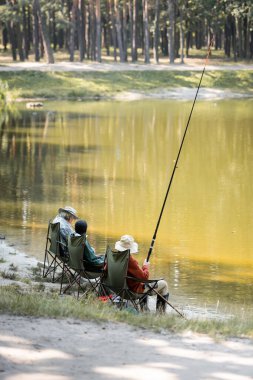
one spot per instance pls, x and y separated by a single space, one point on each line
134 270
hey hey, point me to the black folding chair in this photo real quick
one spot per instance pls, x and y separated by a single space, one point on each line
114 281
86 277
56 256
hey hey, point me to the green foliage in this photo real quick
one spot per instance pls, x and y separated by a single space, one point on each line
3 92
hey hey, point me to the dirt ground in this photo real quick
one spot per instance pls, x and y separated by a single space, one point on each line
48 349
191 65
51 349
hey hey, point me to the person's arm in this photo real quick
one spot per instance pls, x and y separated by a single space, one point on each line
90 256
135 270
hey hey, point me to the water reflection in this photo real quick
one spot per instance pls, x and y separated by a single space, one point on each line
112 161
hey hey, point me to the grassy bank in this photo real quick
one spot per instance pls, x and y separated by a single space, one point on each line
39 304
90 85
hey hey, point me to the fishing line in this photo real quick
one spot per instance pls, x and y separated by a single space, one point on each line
178 155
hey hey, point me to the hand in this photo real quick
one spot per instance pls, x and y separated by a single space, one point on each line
147 263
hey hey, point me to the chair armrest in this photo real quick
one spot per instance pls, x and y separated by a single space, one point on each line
60 242
141 280
92 268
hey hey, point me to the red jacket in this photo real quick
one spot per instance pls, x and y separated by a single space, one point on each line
135 270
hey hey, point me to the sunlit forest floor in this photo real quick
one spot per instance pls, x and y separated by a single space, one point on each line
195 57
109 80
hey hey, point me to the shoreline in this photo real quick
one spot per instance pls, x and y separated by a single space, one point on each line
32 348
180 93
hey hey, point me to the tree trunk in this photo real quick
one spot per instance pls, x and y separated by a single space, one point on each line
119 30
73 28
247 36
239 36
181 37
146 31
25 29
81 29
164 41
36 33
107 29
13 40
98 31
125 30
171 30
20 40
233 28
134 32
54 31
156 31
251 44
44 33
92 30
188 41
228 34
114 38
5 38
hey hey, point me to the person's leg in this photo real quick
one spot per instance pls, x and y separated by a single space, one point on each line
162 288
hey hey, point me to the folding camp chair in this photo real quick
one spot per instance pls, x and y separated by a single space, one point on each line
54 260
81 269
114 281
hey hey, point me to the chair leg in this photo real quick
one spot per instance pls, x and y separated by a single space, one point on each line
144 304
45 262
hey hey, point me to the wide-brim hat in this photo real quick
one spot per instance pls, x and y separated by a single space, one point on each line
126 242
70 210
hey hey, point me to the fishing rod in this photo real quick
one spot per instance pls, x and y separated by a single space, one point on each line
178 155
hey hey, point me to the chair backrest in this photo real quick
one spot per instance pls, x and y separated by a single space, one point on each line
75 249
116 269
54 238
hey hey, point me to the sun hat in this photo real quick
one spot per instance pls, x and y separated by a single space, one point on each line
70 210
126 242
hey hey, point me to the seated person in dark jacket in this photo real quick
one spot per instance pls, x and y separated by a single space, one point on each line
89 254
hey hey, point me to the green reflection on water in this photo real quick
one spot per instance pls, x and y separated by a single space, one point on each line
112 161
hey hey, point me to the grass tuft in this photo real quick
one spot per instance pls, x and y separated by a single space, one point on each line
9 275
13 267
54 306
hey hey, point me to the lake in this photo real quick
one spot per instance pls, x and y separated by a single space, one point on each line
112 161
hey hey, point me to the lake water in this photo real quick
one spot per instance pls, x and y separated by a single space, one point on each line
112 161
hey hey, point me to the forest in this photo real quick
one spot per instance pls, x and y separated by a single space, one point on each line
125 30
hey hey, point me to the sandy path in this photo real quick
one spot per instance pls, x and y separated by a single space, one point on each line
48 349
80 66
